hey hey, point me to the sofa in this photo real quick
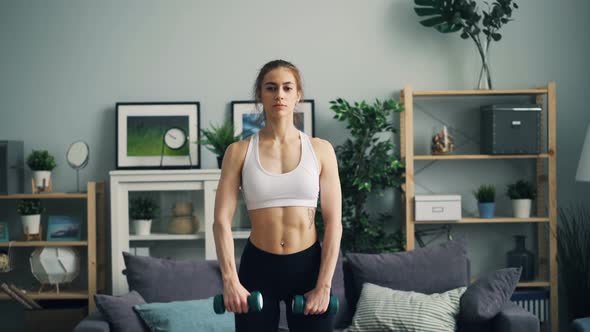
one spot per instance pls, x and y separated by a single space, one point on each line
427 270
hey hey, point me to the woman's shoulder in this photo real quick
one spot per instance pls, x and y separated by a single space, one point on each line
240 147
237 151
322 148
321 145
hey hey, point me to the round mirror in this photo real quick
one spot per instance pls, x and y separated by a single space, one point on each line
77 155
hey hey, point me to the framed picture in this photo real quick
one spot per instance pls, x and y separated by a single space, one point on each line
158 135
4 234
63 228
247 117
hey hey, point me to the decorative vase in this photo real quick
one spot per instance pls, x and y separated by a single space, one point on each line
521 208
142 226
486 210
31 223
41 179
521 257
181 225
485 76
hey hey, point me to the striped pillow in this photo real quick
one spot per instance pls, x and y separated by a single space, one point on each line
384 309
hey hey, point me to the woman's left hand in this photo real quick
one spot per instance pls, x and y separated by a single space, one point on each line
316 301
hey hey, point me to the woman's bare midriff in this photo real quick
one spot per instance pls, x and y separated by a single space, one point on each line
283 230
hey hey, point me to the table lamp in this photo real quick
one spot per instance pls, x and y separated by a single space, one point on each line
583 173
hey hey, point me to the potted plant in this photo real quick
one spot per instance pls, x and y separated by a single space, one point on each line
142 210
486 200
522 194
217 139
368 164
41 163
30 211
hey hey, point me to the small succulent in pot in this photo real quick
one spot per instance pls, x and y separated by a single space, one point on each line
142 210
30 211
486 199
521 193
41 163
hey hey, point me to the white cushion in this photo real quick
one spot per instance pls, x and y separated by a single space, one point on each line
384 309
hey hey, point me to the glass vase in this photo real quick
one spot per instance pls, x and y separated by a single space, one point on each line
521 257
485 75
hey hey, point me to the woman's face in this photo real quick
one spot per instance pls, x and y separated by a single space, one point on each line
279 93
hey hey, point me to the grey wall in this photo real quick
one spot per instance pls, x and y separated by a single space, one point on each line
64 64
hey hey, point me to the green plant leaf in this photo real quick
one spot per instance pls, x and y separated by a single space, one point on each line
433 21
427 11
425 2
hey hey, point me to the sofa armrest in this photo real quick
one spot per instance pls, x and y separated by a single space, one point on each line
95 322
513 318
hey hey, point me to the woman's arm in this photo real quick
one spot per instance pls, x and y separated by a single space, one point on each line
331 203
225 206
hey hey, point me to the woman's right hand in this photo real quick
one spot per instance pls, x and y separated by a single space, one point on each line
235 297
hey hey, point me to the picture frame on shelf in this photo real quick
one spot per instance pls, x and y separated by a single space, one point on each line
142 129
63 228
247 117
4 233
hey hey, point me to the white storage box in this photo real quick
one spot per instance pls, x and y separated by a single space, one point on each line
437 207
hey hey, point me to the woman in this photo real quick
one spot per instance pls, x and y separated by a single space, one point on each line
281 170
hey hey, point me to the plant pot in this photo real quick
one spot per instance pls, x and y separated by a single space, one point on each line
521 208
41 179
142 226
31 223
486 210
219 161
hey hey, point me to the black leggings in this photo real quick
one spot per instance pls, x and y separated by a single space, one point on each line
280 278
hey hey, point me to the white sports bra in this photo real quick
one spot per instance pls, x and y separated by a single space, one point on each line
299 187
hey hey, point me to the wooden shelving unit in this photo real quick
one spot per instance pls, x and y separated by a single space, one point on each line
94 244
546 167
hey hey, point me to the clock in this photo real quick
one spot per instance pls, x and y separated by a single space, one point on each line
175 138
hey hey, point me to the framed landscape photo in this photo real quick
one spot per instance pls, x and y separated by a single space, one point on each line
4 234
142 130
247 117
63 228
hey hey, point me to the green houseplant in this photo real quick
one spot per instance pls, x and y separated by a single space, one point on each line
142 210
486 200
448 16
30 211
41 163
367 163
521 193
573 250
217 139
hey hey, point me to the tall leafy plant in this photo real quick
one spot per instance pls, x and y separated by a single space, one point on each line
367 163
573 255
448 16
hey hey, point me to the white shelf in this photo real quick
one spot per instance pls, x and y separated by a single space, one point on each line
166 237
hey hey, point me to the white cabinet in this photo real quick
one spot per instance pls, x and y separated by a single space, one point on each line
167 187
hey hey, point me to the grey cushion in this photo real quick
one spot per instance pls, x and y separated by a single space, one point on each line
484 299
428 270
513 318
118 311
164 280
